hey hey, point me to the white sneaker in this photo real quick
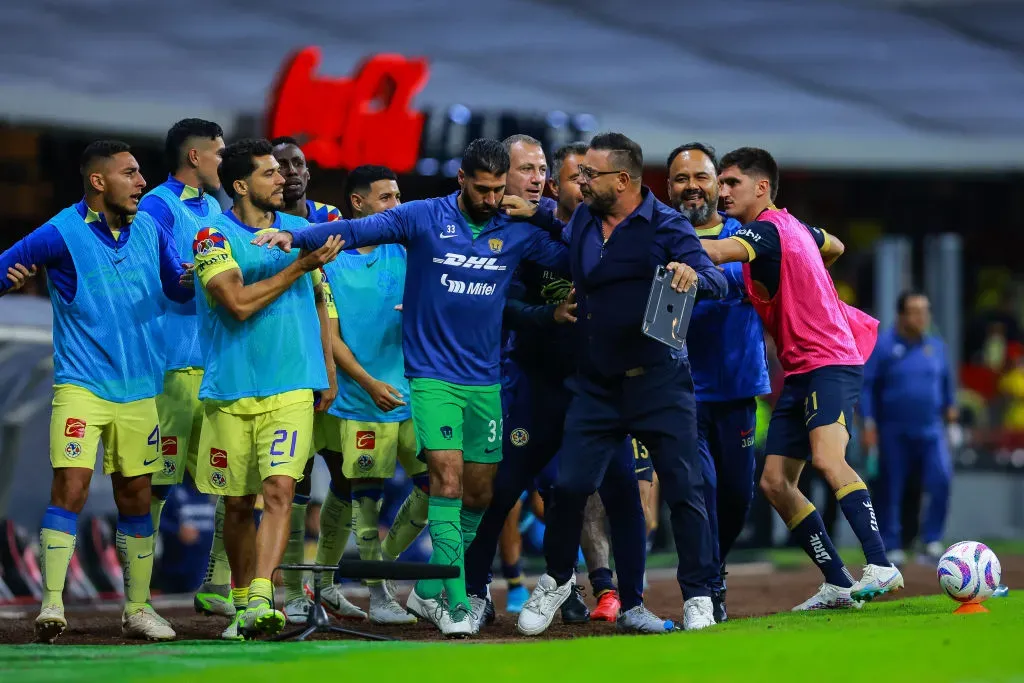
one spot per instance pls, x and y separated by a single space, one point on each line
430 609
478 609
933 550
451 628
540 609
145 625
829 596
698 613
336 604
384 609
877 581
297 611
897 557
50 623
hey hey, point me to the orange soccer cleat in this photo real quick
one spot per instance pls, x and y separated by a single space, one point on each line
608 606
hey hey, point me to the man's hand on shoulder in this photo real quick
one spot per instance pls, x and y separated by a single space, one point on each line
311 260
517 207
282 239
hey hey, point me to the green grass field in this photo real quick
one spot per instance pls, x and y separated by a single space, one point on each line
911 640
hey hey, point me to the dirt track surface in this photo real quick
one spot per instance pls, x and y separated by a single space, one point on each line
748 596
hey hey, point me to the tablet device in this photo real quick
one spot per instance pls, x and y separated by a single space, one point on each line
668 312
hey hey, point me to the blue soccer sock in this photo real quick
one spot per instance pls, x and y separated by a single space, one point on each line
513 574
601 581
855 501
808 528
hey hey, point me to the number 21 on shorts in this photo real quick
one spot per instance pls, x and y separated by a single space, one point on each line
281 436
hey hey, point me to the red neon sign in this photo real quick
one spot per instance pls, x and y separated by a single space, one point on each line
347 122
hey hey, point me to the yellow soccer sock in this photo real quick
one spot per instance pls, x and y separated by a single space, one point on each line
240 597
335 528
409 523
218 571
135 542
57 548
261 589
294 552
366 514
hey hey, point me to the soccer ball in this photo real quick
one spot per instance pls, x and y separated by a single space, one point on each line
969 572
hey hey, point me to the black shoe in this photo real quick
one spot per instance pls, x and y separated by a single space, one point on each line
574 610
718 607
489 612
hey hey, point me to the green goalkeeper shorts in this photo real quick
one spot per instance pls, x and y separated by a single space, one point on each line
458 417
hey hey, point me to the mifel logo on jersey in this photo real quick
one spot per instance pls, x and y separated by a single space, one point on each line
366 441
74 428
218 458
168 445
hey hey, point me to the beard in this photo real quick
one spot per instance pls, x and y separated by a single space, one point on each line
700 214
600 204
271 202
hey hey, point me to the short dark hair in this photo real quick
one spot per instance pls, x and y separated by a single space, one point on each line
101 149
708 150
754 161
238 161
572 149
284 140
625 152
485 154
182 131
906 295
520 137
362 177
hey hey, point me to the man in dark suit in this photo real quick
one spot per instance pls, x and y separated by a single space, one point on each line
627 383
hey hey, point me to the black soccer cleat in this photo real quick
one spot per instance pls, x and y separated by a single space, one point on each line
718 607
574 610
489 615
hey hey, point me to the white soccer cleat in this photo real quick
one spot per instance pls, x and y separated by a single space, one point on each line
877 581
698 613
933 551
234 629
145 624
897 557
297 611
430 609
829 596
384 609
50 623
336 604
540 609
456 623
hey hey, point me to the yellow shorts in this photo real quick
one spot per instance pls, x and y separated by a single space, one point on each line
370 450
130 432
237 452
181 417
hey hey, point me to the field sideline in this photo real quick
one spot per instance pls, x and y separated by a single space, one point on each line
912 639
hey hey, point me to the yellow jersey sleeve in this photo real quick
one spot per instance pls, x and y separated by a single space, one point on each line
332 309
212 253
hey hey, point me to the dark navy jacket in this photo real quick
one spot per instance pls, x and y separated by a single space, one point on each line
612 295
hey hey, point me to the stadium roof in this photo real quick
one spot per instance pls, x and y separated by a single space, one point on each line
821 83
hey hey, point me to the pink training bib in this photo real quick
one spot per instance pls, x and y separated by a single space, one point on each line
812 328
